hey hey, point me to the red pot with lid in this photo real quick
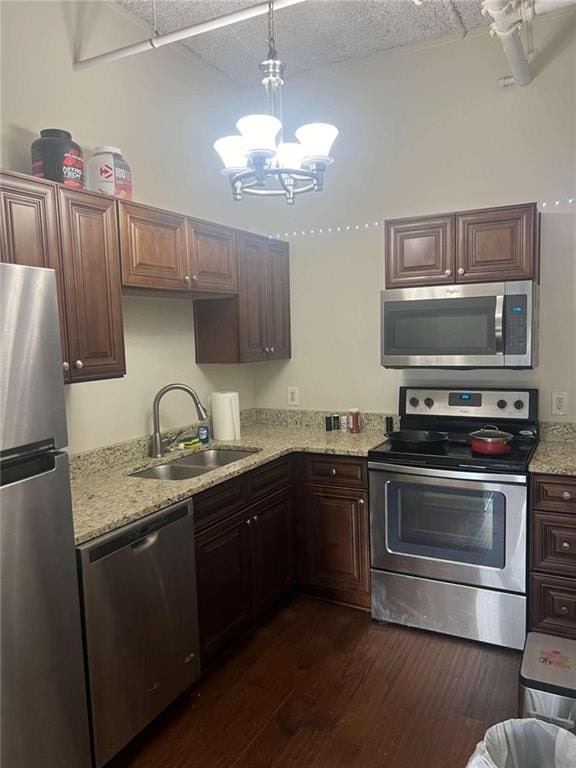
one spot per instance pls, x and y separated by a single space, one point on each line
491 441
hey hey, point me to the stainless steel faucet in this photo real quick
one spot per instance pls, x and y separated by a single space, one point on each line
158 445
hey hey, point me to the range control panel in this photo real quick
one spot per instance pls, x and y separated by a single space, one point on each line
479 403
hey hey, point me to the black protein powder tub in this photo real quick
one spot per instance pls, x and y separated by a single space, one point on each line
57 158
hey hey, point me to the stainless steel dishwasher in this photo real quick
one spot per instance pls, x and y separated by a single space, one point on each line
140 622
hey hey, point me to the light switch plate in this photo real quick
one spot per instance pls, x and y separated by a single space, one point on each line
293 396
559 403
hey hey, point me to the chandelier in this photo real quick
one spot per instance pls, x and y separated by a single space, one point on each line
258 161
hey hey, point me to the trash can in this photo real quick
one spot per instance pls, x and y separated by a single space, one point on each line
548 680
525 744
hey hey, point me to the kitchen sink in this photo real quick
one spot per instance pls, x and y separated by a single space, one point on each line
194 465
171 472
212 458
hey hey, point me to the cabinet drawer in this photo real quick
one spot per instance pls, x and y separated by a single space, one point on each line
336 470
553 605
554 543
554 493
270 478
217 503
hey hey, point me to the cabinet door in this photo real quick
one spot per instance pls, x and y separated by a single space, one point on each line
154 248
420 251
497 244
29 235
213 258
273 550
92 285
553 605
224 583
252 300
278 301
337 543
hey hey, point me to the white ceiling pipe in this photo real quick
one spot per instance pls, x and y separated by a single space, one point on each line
184 34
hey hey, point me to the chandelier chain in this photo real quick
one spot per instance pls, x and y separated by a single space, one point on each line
272 54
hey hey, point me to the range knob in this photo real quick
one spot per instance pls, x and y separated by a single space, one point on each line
428 402
501 404
519 404
414 402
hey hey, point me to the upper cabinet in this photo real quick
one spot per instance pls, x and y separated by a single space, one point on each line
75 233
487 245
29 233
256 325
213 257
93 296
154 248
167 251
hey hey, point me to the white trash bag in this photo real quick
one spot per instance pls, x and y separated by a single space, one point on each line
528 743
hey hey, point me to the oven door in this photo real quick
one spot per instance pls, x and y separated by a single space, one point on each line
443 326
460 527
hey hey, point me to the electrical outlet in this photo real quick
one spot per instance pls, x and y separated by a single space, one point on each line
559 403
293 396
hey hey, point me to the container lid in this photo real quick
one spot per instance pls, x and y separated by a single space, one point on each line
549 664
58 132
107 150
491 434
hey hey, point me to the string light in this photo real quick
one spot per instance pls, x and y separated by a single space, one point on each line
545 204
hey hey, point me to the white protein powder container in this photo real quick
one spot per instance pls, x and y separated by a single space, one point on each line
108 173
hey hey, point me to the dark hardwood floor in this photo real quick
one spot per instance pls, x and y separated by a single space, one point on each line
322 686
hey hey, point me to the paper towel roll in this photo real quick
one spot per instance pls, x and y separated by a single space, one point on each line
226 415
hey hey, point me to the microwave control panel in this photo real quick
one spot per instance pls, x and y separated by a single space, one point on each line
515 324
479 403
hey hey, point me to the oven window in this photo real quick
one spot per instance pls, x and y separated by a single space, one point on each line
441 327
462 525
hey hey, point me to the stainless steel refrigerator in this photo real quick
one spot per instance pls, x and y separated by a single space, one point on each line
43 710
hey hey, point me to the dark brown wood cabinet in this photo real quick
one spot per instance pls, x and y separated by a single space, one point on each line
487 245
29 234
333 547
213 258
245 554
419 251
254 326
154 248
552 596
92 285
224 583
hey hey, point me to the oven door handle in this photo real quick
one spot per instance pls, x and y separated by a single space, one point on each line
499 325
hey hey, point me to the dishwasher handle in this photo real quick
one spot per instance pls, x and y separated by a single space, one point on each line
139 536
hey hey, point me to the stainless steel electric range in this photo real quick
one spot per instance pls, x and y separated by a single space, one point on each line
447 525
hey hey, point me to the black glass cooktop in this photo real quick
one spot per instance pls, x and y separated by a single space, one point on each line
457 453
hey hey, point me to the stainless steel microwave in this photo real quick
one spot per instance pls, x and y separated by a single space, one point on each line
489 325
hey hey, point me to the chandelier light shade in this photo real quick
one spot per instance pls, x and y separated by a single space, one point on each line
258 161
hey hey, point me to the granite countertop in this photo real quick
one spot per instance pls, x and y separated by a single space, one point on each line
105 496
554 457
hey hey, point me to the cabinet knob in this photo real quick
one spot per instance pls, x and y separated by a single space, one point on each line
361 502
271 349
447 272
566 495
333 472
564 610
194 277
79 364
249 522
461 271
255 518
187 280
65 366
565 545
267 349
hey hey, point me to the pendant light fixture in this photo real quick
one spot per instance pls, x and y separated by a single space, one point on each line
257 160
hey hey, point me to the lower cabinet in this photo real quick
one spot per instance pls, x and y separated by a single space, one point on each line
244 564
336 544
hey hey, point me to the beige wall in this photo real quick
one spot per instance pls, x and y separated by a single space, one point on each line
164 109
425 131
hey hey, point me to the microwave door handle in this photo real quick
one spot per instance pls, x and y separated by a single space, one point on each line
499 325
